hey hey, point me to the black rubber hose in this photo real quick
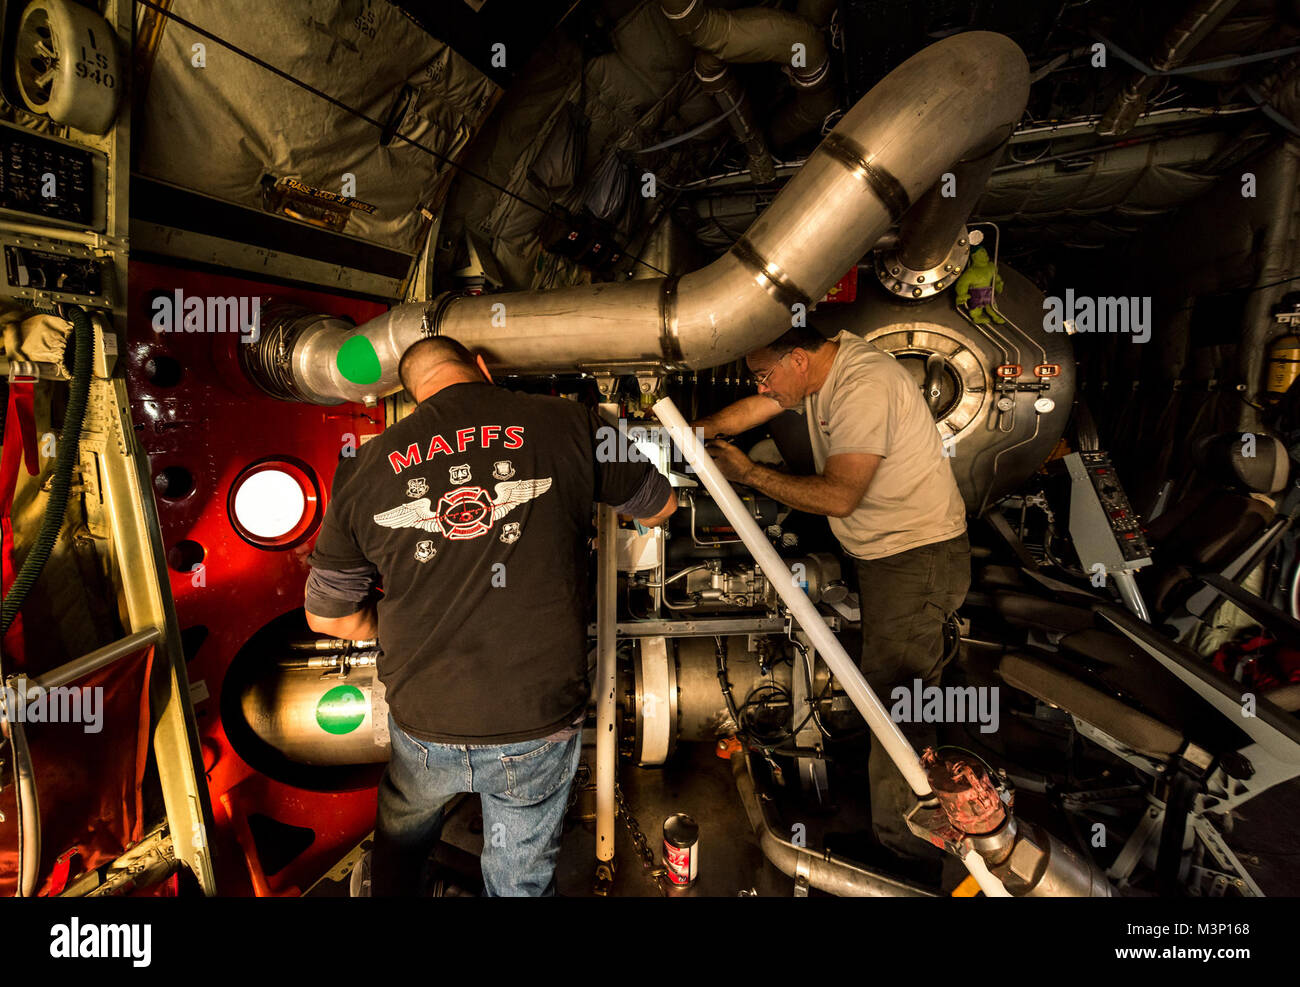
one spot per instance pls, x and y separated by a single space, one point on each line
720 652
65 460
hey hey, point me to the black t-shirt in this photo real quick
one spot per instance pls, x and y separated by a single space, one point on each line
475 510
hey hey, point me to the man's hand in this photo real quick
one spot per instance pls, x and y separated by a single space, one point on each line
731 462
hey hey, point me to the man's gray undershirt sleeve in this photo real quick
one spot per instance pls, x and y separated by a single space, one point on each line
339 592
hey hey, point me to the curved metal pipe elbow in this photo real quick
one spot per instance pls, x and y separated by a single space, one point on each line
795 41
947 100
823 871
751 34
716 80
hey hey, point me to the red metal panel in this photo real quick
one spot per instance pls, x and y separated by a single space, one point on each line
213 423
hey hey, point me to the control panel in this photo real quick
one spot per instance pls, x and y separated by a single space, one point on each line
1103 524
45 270
47 180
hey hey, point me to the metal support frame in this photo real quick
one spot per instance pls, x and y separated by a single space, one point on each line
1202 604
606 688
1222 794
203 248
1272 759
707 627
120 506
97 659
813 775
125 498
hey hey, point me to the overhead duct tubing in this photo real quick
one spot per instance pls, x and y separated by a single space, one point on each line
753 34
761 35
730 96
1197 23
894 144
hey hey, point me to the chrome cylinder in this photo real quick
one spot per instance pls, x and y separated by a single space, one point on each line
320 718
672 693
1032 863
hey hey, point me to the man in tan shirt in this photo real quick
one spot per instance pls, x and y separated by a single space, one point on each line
883 481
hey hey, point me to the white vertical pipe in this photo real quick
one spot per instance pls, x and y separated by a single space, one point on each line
988 882
606 680
883 729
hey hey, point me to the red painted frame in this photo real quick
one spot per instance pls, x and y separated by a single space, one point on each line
215 423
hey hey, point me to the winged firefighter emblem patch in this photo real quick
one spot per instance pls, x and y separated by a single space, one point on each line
466 512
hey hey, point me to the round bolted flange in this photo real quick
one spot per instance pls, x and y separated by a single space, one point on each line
900 280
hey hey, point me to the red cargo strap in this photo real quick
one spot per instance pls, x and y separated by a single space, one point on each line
19 445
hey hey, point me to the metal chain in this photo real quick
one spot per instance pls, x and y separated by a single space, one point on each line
658 875
580 779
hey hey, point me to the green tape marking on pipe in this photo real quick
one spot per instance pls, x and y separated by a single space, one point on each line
358 362
341 710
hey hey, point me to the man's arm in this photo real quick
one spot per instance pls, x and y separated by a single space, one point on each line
360 626
661 515
634 487
339 596
739 417
835 492
340 601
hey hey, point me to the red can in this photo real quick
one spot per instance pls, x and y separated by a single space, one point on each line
681 849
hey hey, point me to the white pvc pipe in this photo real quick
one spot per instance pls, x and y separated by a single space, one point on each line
606 680
988 882
883 730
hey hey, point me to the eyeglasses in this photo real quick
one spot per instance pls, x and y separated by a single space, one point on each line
760 381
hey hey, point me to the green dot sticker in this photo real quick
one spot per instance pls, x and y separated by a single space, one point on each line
358 361
341 710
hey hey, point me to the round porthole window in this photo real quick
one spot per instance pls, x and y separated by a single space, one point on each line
275 503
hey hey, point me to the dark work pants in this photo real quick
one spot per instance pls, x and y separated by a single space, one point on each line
906 600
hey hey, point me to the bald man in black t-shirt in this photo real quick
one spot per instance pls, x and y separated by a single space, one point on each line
473 514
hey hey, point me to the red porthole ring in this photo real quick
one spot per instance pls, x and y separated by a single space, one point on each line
275 503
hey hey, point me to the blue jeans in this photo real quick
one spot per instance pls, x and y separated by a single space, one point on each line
524 788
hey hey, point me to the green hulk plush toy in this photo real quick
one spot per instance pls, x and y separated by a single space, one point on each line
975 288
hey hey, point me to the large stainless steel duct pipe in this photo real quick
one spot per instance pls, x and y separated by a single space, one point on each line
889 149
933 225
